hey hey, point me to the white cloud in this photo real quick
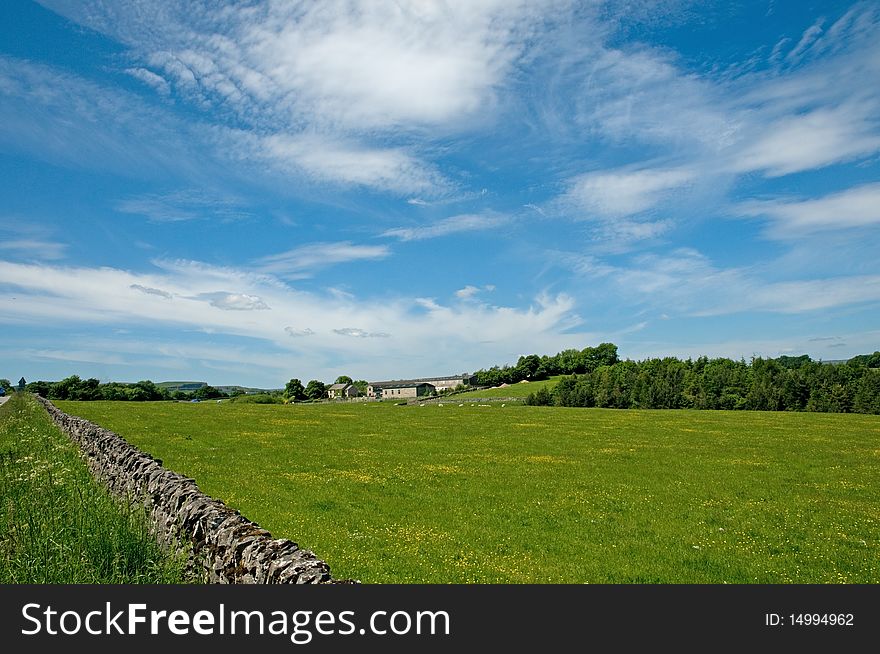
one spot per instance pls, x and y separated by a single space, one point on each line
813 140
622 232
333 160
64 119
624 192
641 95
687 281
292 331
148 77
853 208
811 295
321 89
469 291
360 333
447 226
234 301
320 255
809 37
388 338
77 356
183 205
35 248
358 66
151 291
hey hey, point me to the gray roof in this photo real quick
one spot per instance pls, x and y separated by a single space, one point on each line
400 384
338 387
419 380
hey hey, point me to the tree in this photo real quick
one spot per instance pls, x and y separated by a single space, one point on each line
867 398
867 360
66 389
5 385
604 354
315 390
294 391
87 390
40 388
207 393
541 397
361 385
527 367
343 379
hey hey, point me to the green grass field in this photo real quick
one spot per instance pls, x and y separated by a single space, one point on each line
534 494
513 390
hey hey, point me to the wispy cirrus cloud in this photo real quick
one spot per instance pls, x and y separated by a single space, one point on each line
34 248
617 193
803 109
687 282
853 208
822 137
151 79
448 226
327 159
184 205
57 116
26 239
313 256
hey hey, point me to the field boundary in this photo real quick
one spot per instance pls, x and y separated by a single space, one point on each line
223 546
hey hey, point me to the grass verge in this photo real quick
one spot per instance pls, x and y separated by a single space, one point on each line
60 526
517 391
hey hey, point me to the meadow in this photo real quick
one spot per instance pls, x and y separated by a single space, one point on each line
57 524
519 494
517 391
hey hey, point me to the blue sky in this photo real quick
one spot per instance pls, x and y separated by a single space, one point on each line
249 192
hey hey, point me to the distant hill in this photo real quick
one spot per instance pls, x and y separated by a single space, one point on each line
189 386
246 389
186 386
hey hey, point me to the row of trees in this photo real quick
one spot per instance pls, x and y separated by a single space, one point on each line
294 391
782 384
74 388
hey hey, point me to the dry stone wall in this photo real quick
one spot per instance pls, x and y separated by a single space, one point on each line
223 546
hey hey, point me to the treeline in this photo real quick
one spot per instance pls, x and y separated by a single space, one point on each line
74 388
782 384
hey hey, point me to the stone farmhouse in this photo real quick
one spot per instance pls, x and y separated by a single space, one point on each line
403 388
340 391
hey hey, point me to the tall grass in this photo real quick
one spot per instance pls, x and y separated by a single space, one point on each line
57 524
518 390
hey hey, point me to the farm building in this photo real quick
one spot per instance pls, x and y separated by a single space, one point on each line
339 391
401 389
430 384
